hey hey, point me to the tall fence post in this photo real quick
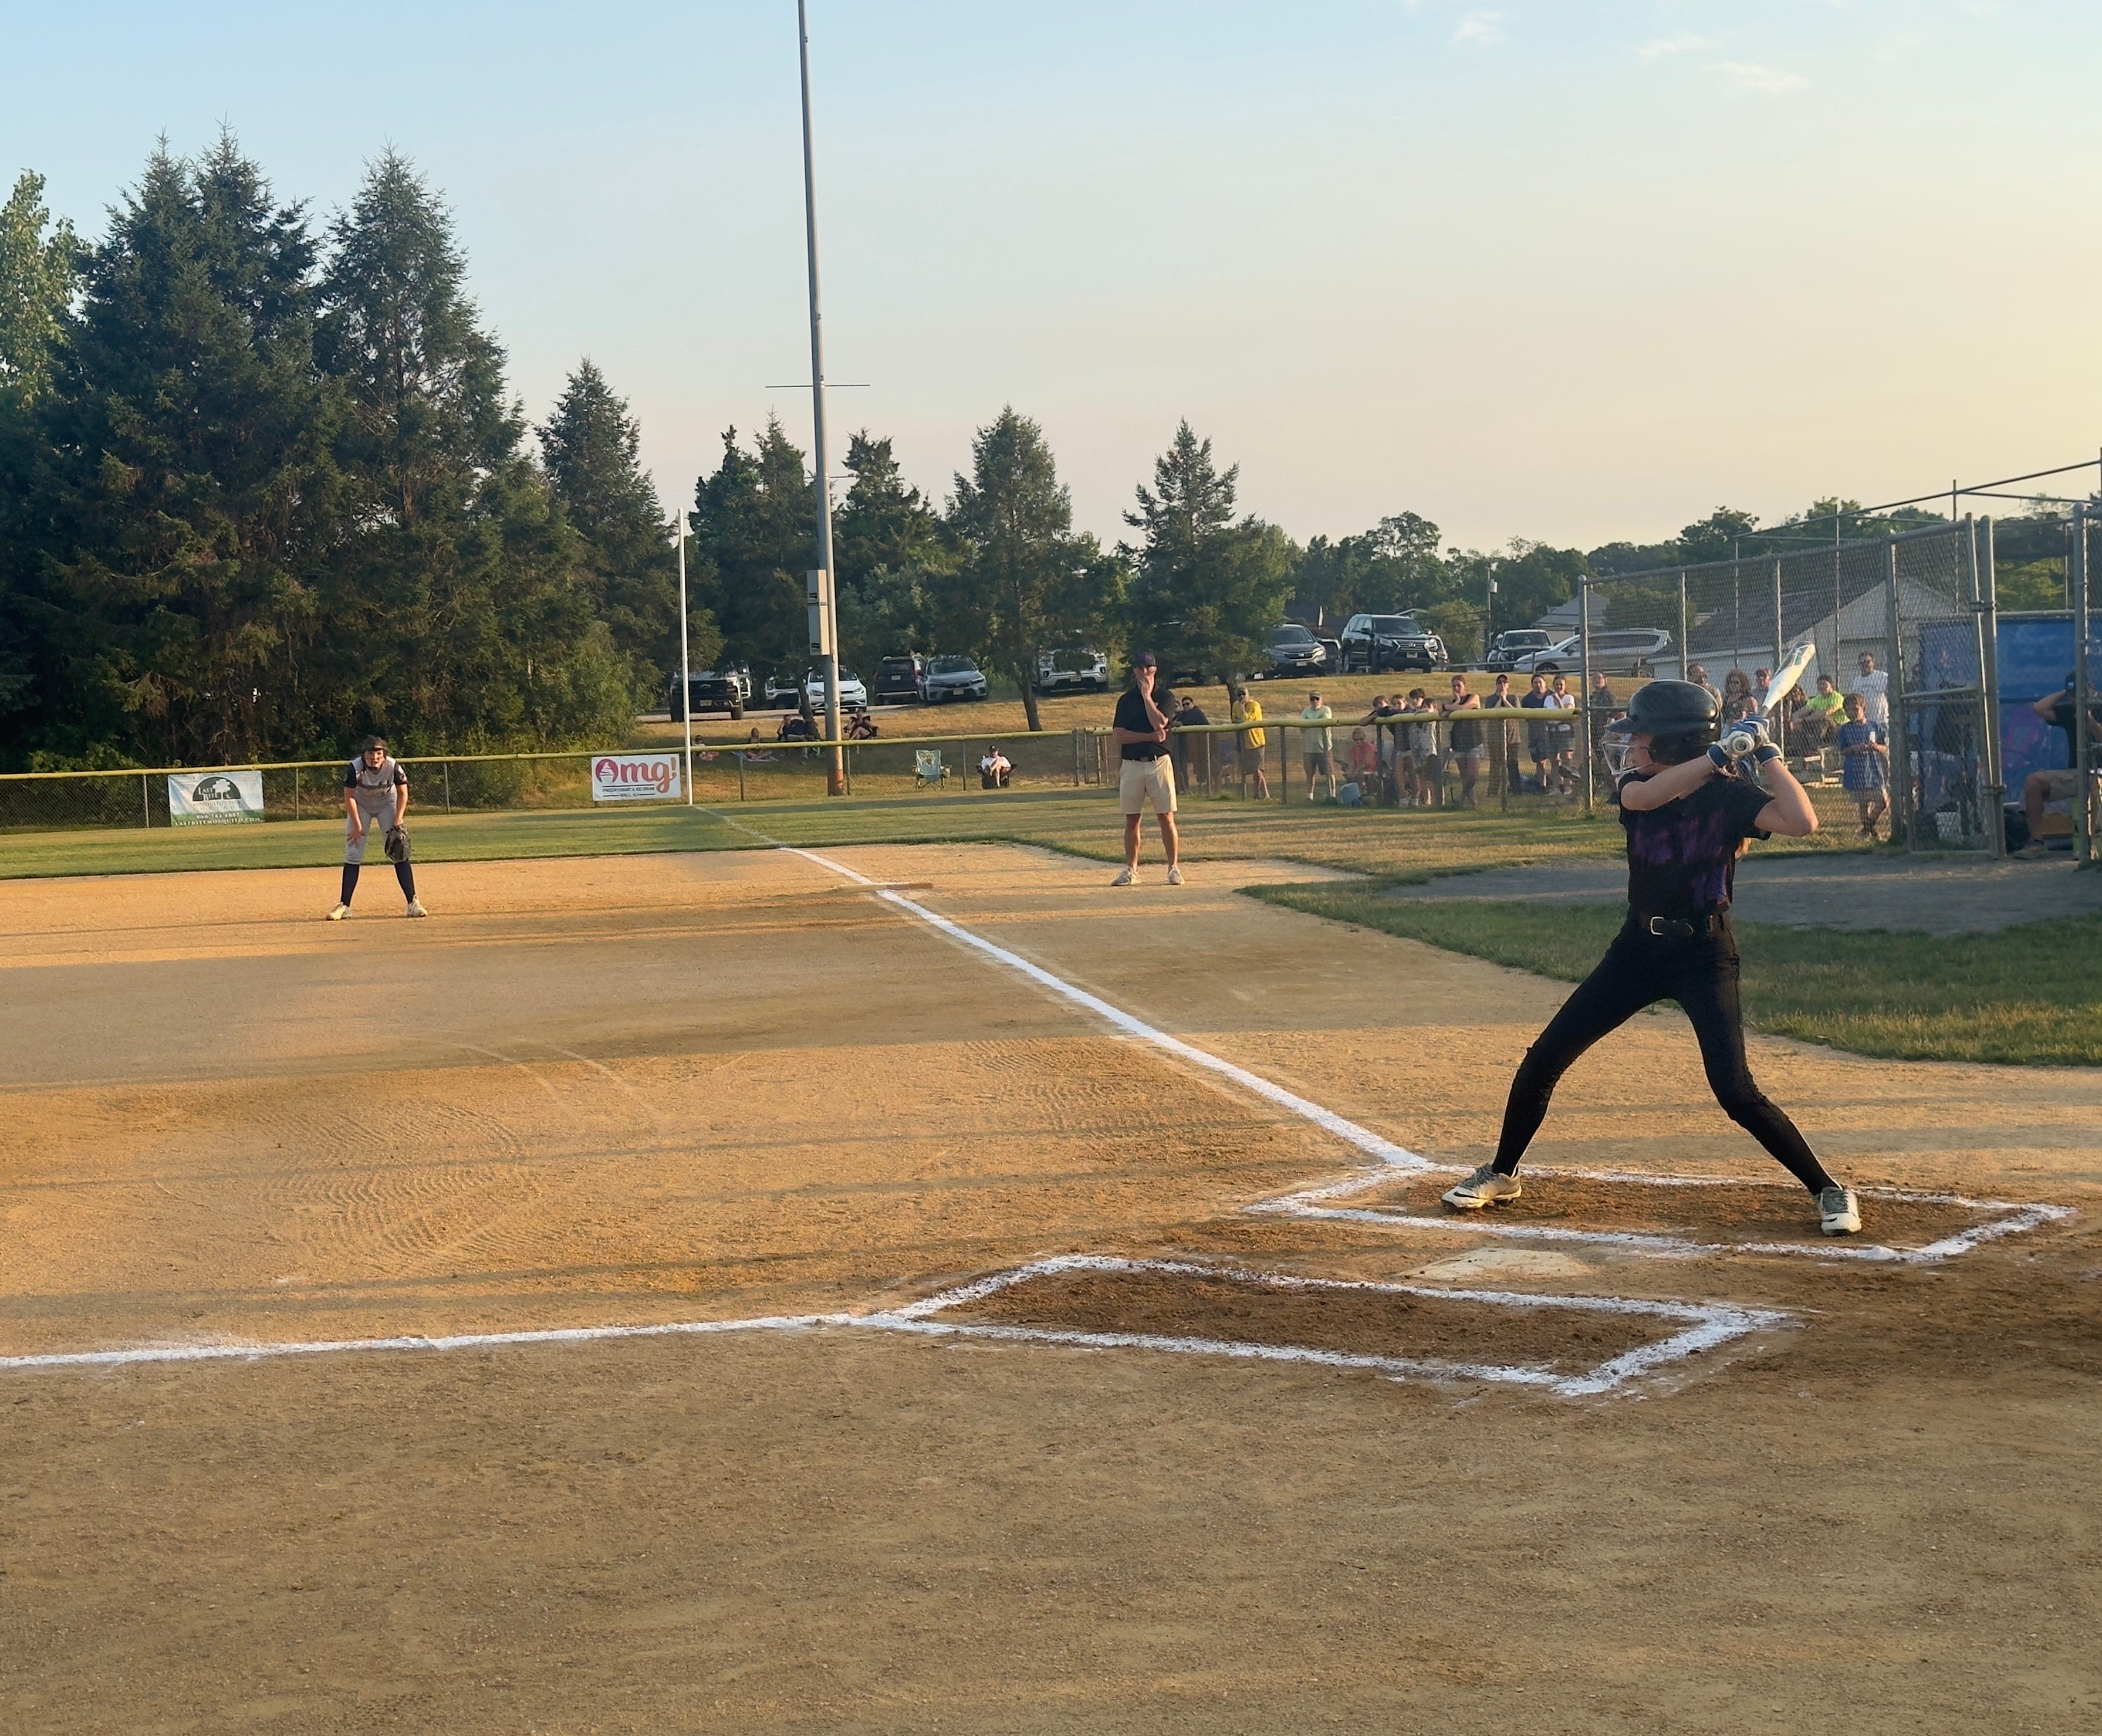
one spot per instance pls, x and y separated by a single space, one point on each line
1778 722
1982 598
2083 697
1685 651
1900 746
296 792
145 802
1583 679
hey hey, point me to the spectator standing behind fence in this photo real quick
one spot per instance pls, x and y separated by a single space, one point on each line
2039 787
1738 702
1503 737
1539 741
1417 764
1824 712
1317 745
1192 749
1699 677
1463 741
1386 740
1562 737
1865 759
1874 685
1246 709
1146 774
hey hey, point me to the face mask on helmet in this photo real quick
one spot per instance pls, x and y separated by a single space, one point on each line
1614 742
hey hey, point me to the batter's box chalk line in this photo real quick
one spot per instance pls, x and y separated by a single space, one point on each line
1705 1325
2000 1217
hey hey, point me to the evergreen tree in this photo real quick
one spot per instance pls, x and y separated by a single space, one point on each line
887 543
461 619
192 493
755 537
1025 584
1208 590
591 446
37 274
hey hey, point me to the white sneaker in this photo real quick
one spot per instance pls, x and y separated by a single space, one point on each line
1175 877
1129 877
415 910
1485 1187
1839 1212
338 913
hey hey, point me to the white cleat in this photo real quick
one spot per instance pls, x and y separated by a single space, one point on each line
415 910
338 913
1839 1212
1129 877
1485 1187
1175 877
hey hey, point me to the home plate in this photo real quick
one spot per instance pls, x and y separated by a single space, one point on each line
1504 1263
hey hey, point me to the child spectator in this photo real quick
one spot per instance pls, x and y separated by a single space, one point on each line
1823 713
1248 710
1864 754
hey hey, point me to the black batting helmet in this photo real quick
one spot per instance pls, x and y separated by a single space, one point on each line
1679 717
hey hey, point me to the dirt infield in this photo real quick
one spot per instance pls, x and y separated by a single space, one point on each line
684 1089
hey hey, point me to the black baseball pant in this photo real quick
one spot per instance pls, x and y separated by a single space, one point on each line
1638 970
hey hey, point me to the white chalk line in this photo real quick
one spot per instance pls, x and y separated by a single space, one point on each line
1708 1325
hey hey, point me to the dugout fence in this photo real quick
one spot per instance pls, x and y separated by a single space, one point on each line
1909 621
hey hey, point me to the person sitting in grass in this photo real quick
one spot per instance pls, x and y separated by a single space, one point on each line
1362 761
1865 762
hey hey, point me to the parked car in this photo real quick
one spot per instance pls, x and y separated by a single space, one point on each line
1615 651
1076 669
954 678
1506 649
902 680
852 691
1294 650
708 690
1373 643
784 687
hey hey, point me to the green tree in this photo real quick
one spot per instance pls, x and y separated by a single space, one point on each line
464 614
1024 583
1207 590
37 273
192 494
887 544
592 447
755 537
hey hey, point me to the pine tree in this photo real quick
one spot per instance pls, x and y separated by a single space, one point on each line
461 618
754 526
591 448
193 491
887 543
1208 590
1025 584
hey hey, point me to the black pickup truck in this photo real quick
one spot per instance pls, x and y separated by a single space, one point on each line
709 690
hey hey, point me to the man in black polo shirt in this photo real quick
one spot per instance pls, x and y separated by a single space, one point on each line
1145 773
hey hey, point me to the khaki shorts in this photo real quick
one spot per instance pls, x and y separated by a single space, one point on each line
2059 786
1144 780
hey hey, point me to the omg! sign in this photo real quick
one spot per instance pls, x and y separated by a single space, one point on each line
636 777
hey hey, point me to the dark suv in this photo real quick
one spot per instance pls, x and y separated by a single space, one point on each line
1373 643
901 681
709 690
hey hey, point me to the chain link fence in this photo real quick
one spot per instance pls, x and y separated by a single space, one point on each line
1907 623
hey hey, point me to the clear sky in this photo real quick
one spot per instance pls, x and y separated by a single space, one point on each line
1565 270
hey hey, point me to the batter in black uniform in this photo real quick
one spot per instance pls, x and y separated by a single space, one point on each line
1688 809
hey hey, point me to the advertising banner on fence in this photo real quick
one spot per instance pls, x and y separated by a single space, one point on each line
215 798
636 777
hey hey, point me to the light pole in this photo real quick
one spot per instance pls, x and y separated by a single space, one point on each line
685 669
824 620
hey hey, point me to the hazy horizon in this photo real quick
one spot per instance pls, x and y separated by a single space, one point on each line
1525 272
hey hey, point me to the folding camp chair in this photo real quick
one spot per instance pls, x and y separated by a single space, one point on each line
928 771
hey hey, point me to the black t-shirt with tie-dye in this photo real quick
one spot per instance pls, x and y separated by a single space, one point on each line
1682 856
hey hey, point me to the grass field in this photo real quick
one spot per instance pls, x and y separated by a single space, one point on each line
2029 994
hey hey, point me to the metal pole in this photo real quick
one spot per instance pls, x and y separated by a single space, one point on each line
1780 656
2083 696
823 616
296 792
1989 656
1489 612
1685 652
1584 681
685 665
1901 747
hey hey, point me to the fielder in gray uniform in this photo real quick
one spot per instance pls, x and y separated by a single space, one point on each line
376 794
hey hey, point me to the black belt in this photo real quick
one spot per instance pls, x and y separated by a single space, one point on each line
1675 928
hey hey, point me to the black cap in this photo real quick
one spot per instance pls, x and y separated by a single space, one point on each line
1145 660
